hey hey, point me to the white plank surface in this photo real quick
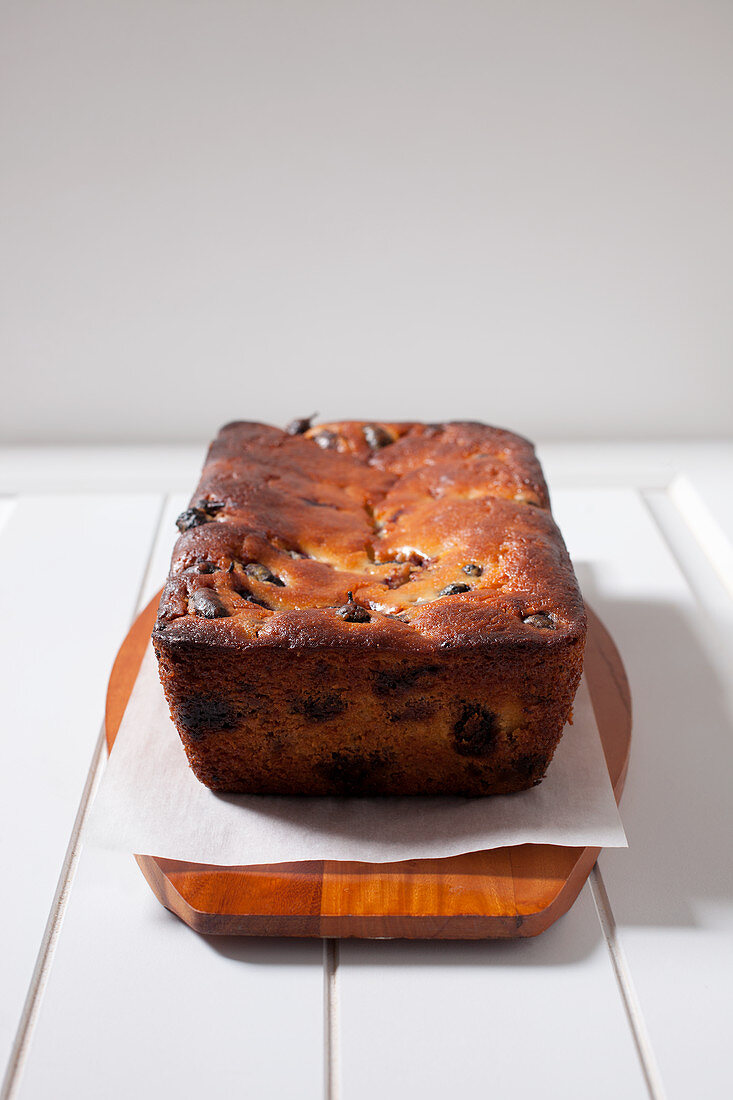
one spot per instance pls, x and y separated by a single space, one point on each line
521 1018
70 574
235 1003
138 1005
672 892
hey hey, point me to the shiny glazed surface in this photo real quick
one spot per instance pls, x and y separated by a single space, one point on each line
442 533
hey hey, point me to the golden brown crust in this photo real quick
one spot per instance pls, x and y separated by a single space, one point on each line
405 545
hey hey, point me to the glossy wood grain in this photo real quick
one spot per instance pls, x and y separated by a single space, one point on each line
502 893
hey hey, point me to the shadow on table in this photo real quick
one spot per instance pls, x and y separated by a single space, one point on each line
678 790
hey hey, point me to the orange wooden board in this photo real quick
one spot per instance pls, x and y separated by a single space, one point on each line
502 893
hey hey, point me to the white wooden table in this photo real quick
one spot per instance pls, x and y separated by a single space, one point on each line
105 994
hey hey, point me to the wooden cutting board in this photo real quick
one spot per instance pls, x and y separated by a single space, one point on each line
502 893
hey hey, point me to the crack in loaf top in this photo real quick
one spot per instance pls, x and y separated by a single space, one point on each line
354 533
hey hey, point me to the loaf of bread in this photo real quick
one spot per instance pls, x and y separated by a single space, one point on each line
362 608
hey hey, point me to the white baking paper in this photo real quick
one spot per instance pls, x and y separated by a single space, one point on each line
150 803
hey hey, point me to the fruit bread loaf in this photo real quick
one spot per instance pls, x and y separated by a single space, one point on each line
363 608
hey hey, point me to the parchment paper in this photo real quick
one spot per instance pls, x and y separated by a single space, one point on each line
149 802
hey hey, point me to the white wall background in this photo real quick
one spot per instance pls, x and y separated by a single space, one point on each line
520 212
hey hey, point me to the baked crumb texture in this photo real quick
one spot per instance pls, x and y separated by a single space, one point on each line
362 608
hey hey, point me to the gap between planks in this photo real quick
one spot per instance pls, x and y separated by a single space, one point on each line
602 902
331 1066
47 949
7 505
703 526
644 1049
678 513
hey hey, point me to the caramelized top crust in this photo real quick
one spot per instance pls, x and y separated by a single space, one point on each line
397 536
